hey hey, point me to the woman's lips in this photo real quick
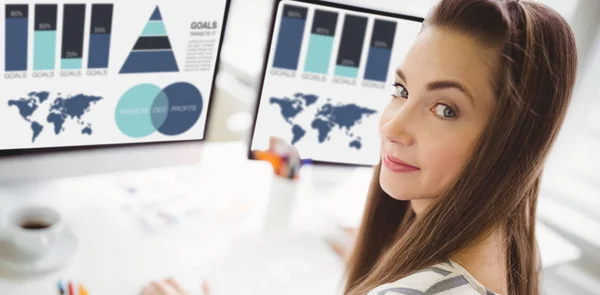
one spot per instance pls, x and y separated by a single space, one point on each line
396 165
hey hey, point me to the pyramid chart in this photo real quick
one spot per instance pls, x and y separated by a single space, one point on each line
152 53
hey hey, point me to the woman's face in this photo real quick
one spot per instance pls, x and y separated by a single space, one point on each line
442 101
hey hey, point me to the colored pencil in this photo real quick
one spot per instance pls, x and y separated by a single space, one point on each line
61 288
71 290
82 290
274 159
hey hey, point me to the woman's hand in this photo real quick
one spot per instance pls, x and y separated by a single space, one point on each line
170 287
343 247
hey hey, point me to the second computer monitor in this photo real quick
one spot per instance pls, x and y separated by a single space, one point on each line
328 77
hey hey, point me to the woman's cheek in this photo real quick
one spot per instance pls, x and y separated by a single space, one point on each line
445 163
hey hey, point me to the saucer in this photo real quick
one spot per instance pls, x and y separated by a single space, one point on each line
13 261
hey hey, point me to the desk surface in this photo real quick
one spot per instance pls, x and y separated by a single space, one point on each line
118 253
241 218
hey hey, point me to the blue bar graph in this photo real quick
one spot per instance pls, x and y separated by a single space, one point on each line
351 46
15 37
291 33
380 52
100 32
72 36
44 48
321 42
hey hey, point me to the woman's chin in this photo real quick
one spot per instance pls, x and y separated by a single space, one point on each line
397 193
396 188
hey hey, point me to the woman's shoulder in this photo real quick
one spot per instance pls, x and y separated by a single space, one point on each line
445 278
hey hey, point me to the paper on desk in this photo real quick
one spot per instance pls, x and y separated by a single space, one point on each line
281 263
192 279
346 204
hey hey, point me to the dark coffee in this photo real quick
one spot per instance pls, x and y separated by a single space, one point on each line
34 224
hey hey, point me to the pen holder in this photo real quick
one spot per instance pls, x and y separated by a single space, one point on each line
281 202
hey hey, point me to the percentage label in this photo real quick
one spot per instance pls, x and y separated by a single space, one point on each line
347 62
72 54
45 26
323 31
294 14
381 44
16 13
99 30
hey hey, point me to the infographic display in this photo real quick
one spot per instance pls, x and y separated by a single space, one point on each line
328 77
98 72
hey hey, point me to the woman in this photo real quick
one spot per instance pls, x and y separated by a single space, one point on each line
478 103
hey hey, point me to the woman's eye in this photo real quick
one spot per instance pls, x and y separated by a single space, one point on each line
400 91
444 112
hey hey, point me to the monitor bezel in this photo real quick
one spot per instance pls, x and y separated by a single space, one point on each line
6 153
266 61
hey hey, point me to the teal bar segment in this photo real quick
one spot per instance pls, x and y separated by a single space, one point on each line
319 54
44 50
154 28
70 63
350 72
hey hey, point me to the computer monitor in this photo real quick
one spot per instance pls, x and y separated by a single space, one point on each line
327 77
95 82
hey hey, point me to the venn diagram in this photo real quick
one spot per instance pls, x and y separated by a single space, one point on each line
147 108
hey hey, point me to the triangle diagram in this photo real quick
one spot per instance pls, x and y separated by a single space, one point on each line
152 52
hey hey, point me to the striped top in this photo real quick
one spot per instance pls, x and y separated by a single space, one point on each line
446 278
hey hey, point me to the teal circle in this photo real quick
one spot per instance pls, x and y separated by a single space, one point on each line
134 114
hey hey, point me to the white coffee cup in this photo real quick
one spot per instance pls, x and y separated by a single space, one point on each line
34 230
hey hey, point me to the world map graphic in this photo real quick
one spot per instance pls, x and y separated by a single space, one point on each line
61 110
327 116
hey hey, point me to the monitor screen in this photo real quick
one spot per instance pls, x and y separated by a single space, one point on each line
92 73
328 76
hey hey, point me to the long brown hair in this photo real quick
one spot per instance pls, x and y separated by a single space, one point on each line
499 184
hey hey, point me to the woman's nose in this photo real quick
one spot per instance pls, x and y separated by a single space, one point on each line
399 127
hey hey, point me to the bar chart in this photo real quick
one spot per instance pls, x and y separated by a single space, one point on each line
290 37
337 45
100 31
351 46
16 37
321 42
380 51
72 36
45 36
44 52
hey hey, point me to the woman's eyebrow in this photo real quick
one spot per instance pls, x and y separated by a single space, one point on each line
444 84
400 74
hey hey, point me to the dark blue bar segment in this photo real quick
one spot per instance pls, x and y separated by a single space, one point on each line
382 42
378 64
324 23
73 29
351 45
150 62
156 14
45 17
15 37
289 40
99 51
100 32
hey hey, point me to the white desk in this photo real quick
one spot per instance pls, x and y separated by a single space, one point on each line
117 256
